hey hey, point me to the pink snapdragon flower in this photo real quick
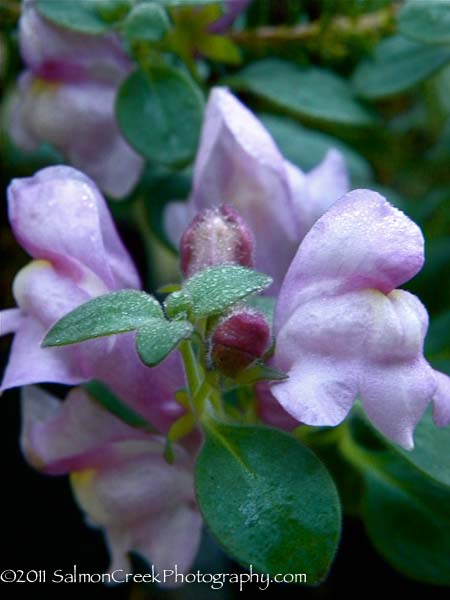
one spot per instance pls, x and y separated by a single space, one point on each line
66 97
119 478
343 329
60 218
238 163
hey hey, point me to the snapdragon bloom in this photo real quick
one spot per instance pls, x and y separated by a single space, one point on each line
66 97
238 163
343 329
119 477
60 218
118 473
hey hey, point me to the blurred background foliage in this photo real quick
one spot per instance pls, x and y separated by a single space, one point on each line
369 77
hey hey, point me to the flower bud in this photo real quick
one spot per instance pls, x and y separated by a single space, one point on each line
216 236
238 340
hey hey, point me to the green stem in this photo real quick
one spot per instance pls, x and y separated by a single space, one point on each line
379 23
353 453
201 396
192 372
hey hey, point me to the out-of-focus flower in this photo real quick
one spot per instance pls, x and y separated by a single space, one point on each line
216 236
238 163
119 477
60 218
66 98
343 330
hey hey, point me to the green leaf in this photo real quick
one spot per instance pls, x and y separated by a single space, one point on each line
118 312
259 372
219 48
146 22
215 289
104 396
435 275
169 288
113 10
310 92
431 453
307 147
407 517
80 15
347 479
178 304
160 114
426 21
156 189
157 338
398 64
438 336
276 510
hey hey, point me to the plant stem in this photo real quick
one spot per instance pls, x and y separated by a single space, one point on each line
379 22
353 453
192 372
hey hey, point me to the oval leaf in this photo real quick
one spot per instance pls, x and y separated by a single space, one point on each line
437 341
398 64
118 312
80 15
431 452
307 92
156 339
308 147
160 114
146 22
426 21
215 289
277 511
407 517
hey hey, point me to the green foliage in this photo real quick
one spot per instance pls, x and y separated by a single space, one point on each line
398 65
308 147
309 92
431 450
277 510
160 112
259 372
215 289
81 15
191 34
426 21
117 312
158 337
146 22
407 517
437 341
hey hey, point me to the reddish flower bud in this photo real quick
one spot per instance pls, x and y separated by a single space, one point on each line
216 236
238 340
